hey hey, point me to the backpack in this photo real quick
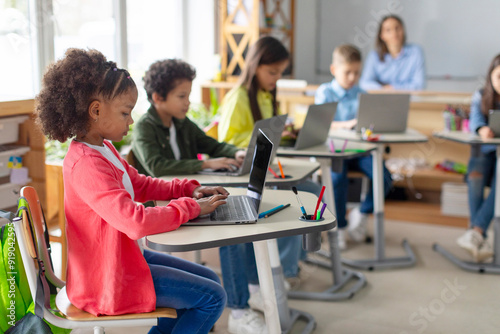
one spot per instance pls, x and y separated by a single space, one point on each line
15 294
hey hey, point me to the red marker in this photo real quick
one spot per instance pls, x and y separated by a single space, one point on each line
273 172
319 201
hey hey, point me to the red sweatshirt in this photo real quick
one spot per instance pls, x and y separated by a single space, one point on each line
107 273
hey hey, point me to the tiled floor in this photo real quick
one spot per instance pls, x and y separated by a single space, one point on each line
432 297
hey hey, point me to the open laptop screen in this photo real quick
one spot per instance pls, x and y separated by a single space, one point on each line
386 113
261 160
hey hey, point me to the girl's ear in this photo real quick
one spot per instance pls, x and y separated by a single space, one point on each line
94 110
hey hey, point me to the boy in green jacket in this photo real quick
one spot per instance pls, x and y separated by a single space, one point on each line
165 141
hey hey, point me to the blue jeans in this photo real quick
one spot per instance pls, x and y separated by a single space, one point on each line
340 184
238 270
480 174
193 290
238 261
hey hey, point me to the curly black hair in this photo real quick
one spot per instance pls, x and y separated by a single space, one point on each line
164 75
70 85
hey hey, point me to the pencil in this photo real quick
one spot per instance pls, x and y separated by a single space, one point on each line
265 213
273 172
277 210
281 170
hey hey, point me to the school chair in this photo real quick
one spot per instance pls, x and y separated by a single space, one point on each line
57 217
30 230
131 159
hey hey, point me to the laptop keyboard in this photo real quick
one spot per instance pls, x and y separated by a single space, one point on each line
236 208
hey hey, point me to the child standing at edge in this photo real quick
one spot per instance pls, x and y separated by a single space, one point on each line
481 169
254 98
89 99
346 69
165 141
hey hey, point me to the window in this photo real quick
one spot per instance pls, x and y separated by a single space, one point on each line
17 55
154 32
84 24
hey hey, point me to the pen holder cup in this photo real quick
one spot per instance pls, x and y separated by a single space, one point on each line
286 177
309 218
311 242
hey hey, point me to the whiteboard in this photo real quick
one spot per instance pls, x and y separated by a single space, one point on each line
459 37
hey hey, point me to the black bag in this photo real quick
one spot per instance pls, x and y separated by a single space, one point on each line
30 324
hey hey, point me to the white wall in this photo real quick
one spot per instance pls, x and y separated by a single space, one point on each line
305 40
458 36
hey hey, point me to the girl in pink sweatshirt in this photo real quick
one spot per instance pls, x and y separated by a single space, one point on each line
89 99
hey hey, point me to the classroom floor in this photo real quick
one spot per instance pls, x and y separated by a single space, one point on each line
432 297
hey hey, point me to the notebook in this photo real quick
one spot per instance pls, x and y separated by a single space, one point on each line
494 122
244 209
273 128
387 113
316 126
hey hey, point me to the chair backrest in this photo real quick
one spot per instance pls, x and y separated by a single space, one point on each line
131 158
37 218
26 242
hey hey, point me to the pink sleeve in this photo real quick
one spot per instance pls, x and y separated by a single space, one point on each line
148 188
101 189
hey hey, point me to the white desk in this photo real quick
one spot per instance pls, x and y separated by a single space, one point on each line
263 234
295 170
340 276
476 142
380 260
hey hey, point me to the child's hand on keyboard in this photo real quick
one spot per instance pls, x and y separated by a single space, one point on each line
209 204
204 191
221 163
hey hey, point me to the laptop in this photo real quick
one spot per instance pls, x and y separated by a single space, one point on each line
386 113
316 126
244 209
494 122
273 128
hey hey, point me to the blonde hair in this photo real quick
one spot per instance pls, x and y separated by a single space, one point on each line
346 53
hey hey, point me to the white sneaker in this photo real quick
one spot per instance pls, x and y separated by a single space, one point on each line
357 225
485 252
256 301
342 239
292 283
250 323
471 241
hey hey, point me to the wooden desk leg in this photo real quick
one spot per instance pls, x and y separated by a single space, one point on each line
205 97
261 250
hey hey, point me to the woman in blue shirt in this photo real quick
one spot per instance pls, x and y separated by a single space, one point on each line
481 169
394 65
